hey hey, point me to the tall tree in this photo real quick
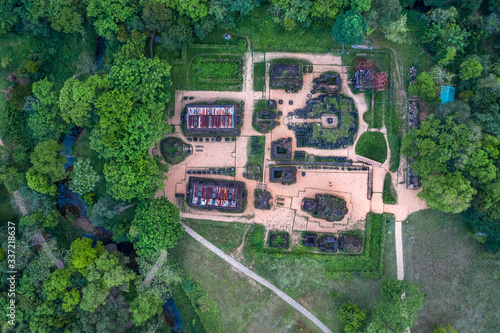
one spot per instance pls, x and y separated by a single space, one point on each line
108 13
77 98
156 226
136 177
350 28
44 120
471 69
291 12
425 88
48 167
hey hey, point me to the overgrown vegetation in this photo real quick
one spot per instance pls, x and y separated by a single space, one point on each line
389 195
172 150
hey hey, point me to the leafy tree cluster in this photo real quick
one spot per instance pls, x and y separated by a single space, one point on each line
94 292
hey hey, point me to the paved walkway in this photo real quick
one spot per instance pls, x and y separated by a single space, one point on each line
399 250
233 262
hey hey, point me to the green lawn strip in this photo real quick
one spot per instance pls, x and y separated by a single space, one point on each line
389 194
381 100
259 76
254 159
390 270
368 115
191 320
204 306
372 145
393 125
459 279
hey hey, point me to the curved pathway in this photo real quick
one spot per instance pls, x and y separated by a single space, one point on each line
233 262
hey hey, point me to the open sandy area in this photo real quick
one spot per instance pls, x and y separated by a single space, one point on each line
350 185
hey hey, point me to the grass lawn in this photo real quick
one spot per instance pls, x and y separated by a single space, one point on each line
305 278
372 145
267 35
458 278
243 304
259 76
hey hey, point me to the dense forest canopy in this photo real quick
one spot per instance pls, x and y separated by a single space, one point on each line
54 87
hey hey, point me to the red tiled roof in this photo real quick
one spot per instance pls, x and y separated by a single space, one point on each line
210 116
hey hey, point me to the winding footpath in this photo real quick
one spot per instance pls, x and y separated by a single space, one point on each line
233 262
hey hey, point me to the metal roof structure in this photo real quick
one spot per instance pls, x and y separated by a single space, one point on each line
214 196
202 117
447 94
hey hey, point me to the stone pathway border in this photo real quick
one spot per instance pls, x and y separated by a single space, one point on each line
233 262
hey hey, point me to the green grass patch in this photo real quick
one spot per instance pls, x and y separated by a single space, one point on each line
393 126
372 145
222 71
224 235
244 305
389 194
259 76
255 152
381 103
459 279
368 115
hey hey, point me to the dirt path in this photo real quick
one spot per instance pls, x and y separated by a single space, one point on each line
237 253
152 272
236 264
45 247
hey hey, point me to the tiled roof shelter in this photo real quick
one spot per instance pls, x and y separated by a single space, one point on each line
214 193
210 118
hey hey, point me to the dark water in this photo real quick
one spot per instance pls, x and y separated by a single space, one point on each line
67 200
101 47
172 314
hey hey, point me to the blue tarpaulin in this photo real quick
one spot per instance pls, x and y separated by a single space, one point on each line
447 94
